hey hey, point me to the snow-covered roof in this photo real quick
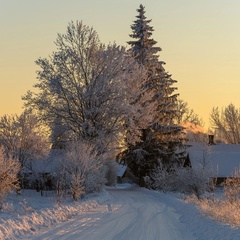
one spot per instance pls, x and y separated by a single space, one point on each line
222 159
121 169
48 165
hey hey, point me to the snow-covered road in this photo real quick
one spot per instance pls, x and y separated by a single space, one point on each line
133 213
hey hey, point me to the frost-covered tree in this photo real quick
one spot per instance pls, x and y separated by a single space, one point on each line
92 92
143 45
162 137
9 169
23 137
226 123
82 170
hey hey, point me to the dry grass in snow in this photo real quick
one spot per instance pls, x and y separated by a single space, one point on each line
221 210
19 219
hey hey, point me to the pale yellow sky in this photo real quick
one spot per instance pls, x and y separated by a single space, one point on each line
200 42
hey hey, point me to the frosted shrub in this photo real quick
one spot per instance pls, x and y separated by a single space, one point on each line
197 181
61 183
76 186
7 207
232 187
221 210
161 179
9 169
81 171
95 179
25 206
185 180
225 209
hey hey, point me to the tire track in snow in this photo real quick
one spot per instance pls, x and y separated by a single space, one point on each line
131 214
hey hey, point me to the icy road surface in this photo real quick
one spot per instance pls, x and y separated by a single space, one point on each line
129 214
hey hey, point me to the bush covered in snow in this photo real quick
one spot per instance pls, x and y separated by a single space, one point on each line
232 187
225 207
81 171
181 179
9 169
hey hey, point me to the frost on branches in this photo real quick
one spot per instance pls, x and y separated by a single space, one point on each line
9 169
192 179
91 91
162 139
23 137
83 171
226 123
181 179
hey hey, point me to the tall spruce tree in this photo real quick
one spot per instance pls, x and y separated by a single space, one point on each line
162 141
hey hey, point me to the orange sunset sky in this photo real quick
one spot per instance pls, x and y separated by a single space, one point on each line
200 42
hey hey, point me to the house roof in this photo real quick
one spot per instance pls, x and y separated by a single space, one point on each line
221 159
121 169
48 165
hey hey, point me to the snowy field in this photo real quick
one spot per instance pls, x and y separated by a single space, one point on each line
118 213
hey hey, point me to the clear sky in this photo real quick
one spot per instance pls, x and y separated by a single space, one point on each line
200 40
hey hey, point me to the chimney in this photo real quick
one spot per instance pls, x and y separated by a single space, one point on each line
211 140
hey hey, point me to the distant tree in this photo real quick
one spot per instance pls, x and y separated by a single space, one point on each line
186 115
23 137
9 169
91 92
162 138
226 123
193 125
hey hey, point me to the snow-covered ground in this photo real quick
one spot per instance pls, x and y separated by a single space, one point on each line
121 212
